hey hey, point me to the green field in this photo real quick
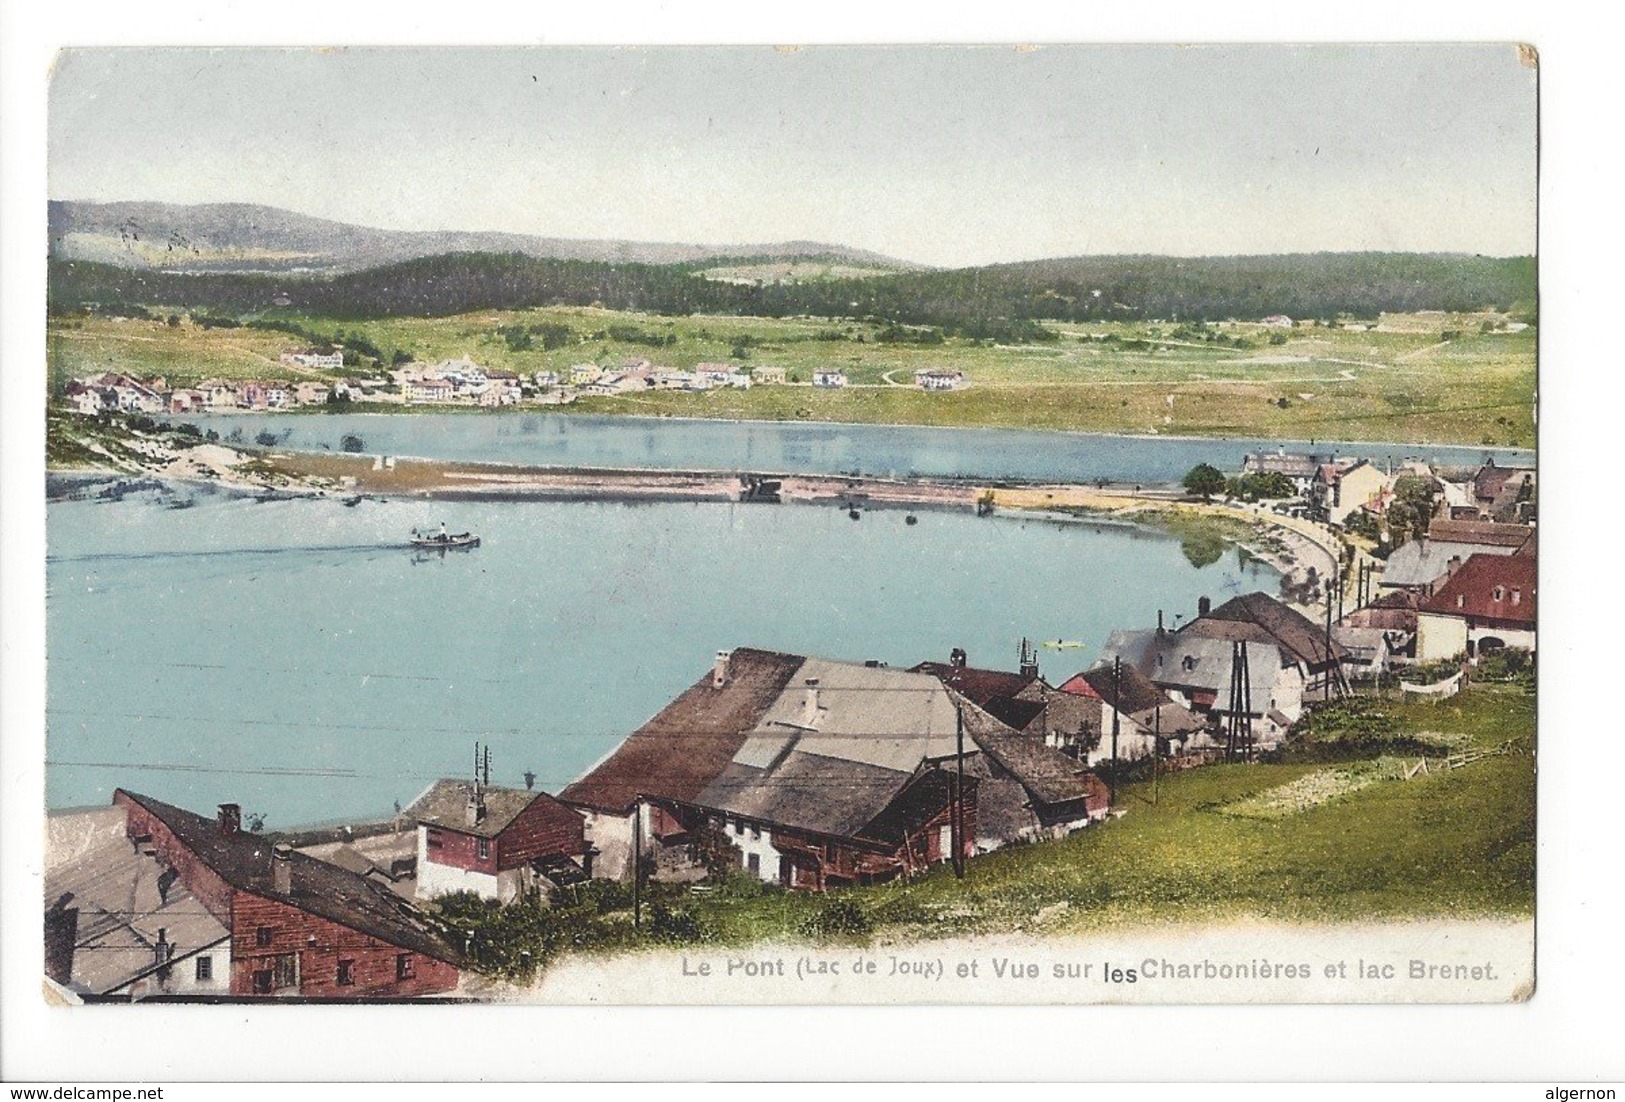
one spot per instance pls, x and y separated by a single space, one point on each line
1449 843
1208 845
1404 385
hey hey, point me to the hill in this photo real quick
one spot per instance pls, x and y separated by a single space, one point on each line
240 237
1002 303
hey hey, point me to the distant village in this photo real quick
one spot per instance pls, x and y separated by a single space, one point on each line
807 773
456 382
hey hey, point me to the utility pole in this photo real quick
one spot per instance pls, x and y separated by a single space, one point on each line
1117 696
486 771
959 790
1328 686
1156 747
637 864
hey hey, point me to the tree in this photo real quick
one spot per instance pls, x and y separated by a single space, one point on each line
1205 480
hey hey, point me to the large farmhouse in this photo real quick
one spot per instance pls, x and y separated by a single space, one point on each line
822 773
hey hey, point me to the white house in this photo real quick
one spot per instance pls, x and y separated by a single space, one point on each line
829 377
937 378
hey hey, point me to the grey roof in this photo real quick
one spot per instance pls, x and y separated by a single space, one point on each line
874 715
829 758
1295 466
1425 561
809 792
1192 662
90 866
446 804
1047 775
1363 644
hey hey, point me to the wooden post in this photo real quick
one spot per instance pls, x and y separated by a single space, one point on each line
1327 693
959 790
637 864
1156 747
1117 698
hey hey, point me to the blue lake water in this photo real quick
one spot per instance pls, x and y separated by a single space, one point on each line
294 657
571 440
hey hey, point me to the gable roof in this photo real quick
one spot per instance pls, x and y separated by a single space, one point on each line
811 792
1258 617
1472 590
690 741
1424 561
123 898
1139 694
834 770
243 860
995 691
1479 532
1047 775
445 804
1293 466
1193 662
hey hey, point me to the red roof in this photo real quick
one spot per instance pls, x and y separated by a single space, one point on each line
692 740
1489 587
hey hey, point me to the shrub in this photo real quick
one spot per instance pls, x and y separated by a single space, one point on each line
674 924
839 920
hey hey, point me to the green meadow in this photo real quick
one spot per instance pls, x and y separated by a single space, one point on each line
1421 379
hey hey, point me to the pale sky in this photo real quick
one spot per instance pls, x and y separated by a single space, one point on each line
942 155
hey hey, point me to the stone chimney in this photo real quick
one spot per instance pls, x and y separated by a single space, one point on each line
1203 606
474 809
957 658
282 868
809 706
230 819
163 948
719 672
1161 631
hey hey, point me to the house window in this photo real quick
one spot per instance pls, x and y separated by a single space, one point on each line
1461 600
1499 593
262 981
753 862
285 970
263 935
483 848
1517 595
756 833
205 969
346 977
403 966
434 841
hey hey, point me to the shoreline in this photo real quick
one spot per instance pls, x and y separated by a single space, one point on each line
562 410
1288 545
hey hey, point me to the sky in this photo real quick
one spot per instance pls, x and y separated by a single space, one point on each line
939 155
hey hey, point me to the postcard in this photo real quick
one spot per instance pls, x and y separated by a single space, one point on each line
735 525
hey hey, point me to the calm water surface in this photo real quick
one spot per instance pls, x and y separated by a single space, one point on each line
294 657
571 440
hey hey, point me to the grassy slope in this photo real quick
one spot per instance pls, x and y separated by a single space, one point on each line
1406 386
1454 843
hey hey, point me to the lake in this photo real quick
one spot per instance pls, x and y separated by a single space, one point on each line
295 657
576 440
